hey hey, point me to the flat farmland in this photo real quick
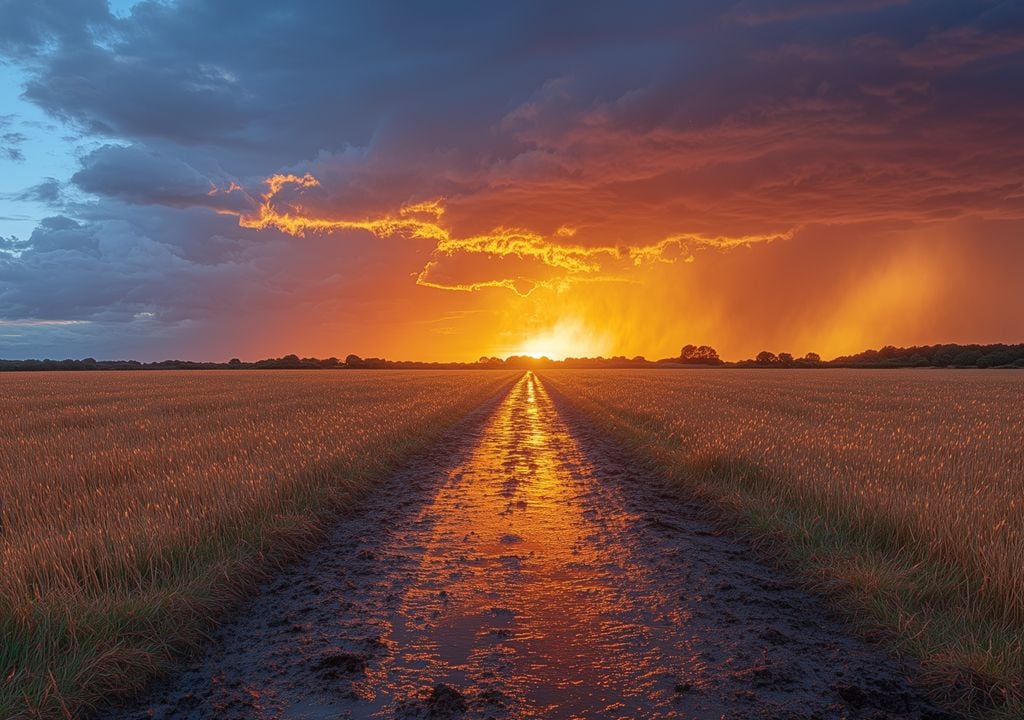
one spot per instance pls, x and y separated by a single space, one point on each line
897 492
537 544
134 507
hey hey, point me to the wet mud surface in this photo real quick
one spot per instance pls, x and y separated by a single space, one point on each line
521 570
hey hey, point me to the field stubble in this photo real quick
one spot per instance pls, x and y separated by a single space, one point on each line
900 493
134 507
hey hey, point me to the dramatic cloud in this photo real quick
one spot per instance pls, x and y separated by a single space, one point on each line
523 258
334 177
143 177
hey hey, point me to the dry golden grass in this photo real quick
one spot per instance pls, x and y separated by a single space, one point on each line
901 492
134 507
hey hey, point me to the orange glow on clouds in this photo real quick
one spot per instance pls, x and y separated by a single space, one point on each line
577 290
297 223
550 262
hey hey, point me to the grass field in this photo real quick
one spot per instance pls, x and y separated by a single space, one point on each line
901 493
135 507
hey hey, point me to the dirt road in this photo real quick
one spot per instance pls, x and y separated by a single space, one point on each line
522 571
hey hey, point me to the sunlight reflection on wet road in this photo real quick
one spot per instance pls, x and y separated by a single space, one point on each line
520 590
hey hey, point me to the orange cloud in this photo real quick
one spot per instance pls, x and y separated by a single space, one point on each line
523 259
295 222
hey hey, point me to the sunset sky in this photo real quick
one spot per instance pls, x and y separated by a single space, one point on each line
442 181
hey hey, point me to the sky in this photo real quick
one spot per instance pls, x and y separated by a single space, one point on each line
446 181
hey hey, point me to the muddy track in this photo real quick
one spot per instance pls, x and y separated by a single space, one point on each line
521 570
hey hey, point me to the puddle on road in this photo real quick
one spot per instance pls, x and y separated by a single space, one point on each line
524 597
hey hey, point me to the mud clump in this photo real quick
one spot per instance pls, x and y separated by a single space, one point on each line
772 636
334 664
885 700
445 702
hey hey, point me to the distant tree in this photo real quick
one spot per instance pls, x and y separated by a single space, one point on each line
234 362
785 359
967 357
945 355
995 359
699 355
812 357
766 358
353 361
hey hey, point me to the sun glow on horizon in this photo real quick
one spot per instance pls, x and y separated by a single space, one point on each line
566 338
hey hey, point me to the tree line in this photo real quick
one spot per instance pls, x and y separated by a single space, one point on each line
949 355
945 356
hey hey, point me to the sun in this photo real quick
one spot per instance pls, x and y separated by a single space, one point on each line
537 352
566 338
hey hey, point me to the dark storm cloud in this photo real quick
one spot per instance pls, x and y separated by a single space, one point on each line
267 85
12 245
165 266
143 177
318 76
29 27
48 192
737 118
765 11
